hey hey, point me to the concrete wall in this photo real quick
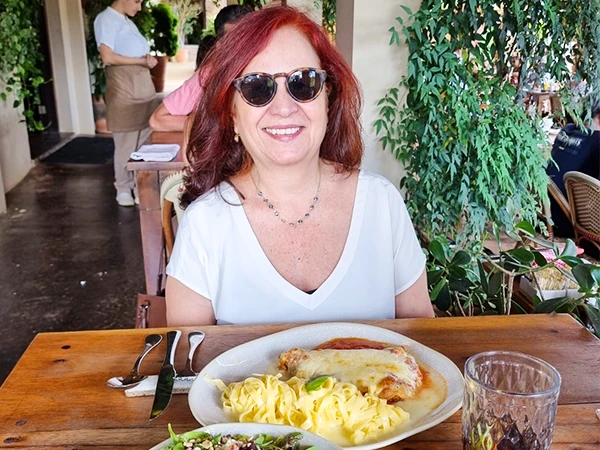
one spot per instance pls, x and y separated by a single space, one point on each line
70 66
15 159
363 37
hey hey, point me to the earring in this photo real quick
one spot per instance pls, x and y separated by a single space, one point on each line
236 137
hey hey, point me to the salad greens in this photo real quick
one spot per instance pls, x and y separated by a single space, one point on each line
193 440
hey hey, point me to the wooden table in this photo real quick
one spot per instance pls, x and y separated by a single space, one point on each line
56 397
149 176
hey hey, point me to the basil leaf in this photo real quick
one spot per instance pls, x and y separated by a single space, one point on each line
315 383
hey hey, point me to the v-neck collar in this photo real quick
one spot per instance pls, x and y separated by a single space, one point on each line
309 301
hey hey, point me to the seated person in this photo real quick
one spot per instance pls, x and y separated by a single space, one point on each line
283 226
175 107
574 150
206 45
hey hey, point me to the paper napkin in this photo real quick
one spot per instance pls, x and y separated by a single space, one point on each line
182 385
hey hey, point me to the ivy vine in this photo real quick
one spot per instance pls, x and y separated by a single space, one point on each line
20 71
473 156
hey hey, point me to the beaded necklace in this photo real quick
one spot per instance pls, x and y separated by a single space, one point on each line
270 205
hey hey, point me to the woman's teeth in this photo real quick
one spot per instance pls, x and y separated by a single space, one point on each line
282 131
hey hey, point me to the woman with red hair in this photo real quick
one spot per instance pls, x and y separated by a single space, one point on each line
281 225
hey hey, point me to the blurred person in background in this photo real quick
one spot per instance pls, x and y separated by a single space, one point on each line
130 93
172 113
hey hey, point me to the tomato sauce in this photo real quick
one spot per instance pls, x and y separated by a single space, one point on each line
352 344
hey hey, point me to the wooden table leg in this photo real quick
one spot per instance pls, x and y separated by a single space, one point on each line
151 228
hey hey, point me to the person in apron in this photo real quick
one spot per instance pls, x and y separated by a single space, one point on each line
130 94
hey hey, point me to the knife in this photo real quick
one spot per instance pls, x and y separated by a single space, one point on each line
166 376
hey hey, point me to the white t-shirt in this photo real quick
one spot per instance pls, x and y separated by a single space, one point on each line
217 255
119 33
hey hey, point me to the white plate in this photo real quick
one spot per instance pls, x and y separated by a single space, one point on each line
260 356
252 429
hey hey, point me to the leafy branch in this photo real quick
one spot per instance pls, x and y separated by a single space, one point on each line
20 74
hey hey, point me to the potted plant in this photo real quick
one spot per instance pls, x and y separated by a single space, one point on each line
164 40
185 11
472 154
467 284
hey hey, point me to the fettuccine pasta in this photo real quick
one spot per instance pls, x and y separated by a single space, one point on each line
332 408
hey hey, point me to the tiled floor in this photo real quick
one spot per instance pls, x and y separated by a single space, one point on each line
71 257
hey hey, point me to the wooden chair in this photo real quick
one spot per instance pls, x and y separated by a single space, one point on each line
583 193
151 312
560 200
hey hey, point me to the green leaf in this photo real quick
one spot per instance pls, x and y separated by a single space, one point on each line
522 255
444 301
543 242
437 250
526 227
583 275
571 261
406 10
461 258
594 316
433 276
570 249
595 272
435 292
461 285
457 272
539 259
482 277
495 283
552 305
315 383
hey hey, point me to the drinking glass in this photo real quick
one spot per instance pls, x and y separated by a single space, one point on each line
510 402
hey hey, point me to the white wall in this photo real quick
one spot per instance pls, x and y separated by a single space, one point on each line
69 66
363 37
309 7
15 159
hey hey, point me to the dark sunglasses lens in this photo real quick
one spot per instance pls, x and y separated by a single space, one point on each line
304 85
258 90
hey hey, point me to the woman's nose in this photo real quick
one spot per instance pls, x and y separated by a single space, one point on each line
283 104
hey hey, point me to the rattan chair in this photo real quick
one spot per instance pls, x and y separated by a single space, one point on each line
583 193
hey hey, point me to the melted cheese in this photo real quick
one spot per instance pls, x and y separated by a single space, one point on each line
366 368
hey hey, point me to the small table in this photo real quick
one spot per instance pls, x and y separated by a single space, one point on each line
149 176
56 397
541 97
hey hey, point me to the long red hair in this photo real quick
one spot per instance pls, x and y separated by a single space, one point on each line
214 156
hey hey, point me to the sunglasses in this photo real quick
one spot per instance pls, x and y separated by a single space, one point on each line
259 89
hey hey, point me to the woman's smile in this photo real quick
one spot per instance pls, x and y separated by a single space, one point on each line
284 133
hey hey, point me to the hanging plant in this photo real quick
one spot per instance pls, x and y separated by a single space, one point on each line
472 154
20 71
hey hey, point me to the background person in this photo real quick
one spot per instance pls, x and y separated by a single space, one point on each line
130 93
283 226
578 150
175 107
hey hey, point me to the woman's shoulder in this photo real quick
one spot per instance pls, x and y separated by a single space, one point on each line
379 184
214 201
105 17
